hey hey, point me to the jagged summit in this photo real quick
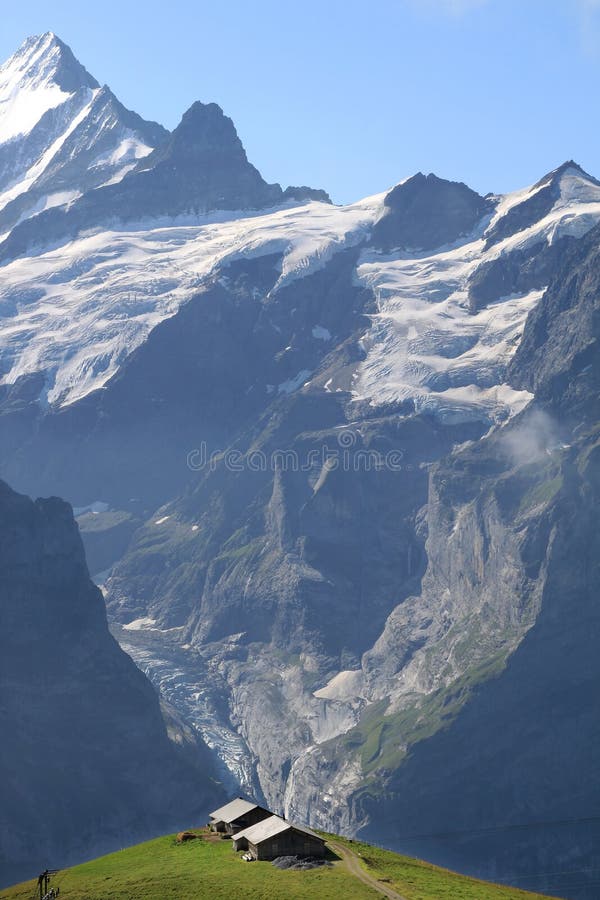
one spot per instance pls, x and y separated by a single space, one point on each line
204 130
568 183
55 55
62 137
46 56
201 167
61 134
426 211
40 76
570 168
207 146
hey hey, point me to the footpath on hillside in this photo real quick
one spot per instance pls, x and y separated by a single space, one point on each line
353 864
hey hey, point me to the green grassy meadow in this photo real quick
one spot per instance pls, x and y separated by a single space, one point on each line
418 880
205 868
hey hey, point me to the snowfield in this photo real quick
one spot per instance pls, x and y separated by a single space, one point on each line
425 343
76 312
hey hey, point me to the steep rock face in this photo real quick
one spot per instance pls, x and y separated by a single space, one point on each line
558 357
201 167
85 754
40 76
529 263
492 770
42 61
519 271
279 574
480 594
510 788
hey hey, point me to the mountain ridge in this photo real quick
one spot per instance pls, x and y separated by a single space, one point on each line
201 166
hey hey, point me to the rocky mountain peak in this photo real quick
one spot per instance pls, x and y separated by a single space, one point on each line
205 138
60 133
44 60
67 144
571 169
205 146
426 211
567 184
203 131
570 183
200 167
69 74
40 76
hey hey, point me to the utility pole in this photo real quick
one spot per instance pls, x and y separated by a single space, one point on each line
44 882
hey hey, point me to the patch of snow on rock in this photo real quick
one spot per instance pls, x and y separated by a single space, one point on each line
292 384
321 334
140 624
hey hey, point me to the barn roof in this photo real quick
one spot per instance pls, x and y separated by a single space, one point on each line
268 828
233 810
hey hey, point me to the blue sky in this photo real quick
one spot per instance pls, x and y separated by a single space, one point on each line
353 96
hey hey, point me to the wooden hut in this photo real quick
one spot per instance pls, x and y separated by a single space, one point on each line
275 837
237 815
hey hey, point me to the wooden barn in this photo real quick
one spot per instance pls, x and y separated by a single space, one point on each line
275 837
237 815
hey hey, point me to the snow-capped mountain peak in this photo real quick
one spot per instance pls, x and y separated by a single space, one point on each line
574 184
61 134
453 275
40 76
556 191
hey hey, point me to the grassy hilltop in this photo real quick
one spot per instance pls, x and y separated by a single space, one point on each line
162 869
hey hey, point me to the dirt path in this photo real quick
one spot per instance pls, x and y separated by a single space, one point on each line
353 864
